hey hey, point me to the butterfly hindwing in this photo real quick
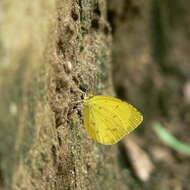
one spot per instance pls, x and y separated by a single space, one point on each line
108 119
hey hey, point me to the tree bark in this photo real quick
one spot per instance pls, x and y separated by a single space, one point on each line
49 52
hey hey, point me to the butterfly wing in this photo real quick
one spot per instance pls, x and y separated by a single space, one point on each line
109 119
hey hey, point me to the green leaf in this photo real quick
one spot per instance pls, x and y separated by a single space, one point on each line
170 140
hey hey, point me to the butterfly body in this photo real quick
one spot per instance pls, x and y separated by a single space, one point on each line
108 119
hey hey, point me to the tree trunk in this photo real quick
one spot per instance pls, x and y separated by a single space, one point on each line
49 52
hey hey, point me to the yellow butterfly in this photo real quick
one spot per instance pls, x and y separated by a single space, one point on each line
108 119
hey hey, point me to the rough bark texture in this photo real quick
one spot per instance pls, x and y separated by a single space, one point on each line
49 51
